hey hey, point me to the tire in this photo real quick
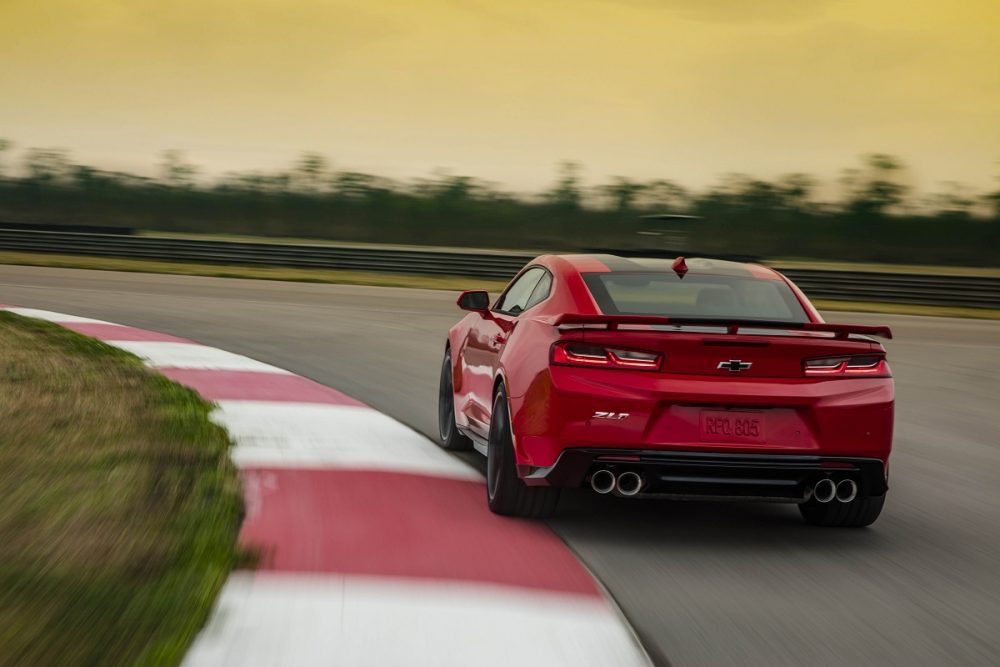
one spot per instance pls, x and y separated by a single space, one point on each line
860 512
505 492
449 435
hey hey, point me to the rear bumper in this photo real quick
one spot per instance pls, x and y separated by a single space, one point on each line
783 477
663 412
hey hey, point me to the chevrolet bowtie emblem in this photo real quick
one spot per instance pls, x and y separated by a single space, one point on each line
734 365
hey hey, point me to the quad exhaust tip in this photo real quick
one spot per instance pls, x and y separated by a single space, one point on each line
825 490
847 490
629 483
602 481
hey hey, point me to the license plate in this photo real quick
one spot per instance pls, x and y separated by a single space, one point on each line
732 426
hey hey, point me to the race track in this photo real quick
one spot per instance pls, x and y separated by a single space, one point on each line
704 584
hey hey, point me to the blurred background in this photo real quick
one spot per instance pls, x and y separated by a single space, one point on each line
828 129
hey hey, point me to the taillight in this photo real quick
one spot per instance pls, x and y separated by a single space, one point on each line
860 366
567 353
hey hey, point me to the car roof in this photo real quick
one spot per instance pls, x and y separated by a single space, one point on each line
604 263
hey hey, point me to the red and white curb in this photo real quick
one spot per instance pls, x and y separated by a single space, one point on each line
376 546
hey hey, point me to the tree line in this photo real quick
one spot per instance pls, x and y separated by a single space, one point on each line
877 217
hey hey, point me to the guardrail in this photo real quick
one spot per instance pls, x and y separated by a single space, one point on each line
911 288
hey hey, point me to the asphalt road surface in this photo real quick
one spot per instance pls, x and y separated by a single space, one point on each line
703 583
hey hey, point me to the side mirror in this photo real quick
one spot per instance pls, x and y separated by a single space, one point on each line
477 301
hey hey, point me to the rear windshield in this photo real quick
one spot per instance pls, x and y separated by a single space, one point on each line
707 296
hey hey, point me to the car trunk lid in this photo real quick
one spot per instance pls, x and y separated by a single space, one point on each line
751 350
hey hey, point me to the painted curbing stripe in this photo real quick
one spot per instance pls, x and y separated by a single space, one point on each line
49 316
325 620
193 356
251 386
399 525
325 436
118 333
349 574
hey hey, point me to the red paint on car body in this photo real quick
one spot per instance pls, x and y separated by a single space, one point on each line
552 404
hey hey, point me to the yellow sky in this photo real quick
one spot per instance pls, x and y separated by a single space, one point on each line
680 89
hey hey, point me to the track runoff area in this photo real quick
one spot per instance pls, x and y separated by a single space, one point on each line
375 547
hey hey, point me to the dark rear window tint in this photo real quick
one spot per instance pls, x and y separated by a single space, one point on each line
708 296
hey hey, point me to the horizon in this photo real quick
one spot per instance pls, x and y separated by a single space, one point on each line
951 196
676 89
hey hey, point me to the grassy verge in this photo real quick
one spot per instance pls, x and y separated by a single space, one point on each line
789 262
255 272
888 268
119 508
298 240
907 309
454 283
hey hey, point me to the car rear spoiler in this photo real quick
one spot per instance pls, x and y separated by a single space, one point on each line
732 325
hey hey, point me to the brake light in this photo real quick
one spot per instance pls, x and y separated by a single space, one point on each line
567 353
861 366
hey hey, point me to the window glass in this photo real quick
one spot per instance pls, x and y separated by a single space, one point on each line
515 299
708 296
541 291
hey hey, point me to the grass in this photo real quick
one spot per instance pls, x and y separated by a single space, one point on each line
789 262
119 507
908 309
990 272
254 272
453 283
300 240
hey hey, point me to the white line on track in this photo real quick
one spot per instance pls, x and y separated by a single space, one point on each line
331 436
194 356
273 619
50 316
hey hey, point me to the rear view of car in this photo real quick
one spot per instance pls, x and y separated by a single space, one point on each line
698 379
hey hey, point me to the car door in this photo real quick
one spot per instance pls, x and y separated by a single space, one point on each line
485 341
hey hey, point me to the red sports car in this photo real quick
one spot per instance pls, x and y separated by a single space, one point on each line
691 378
